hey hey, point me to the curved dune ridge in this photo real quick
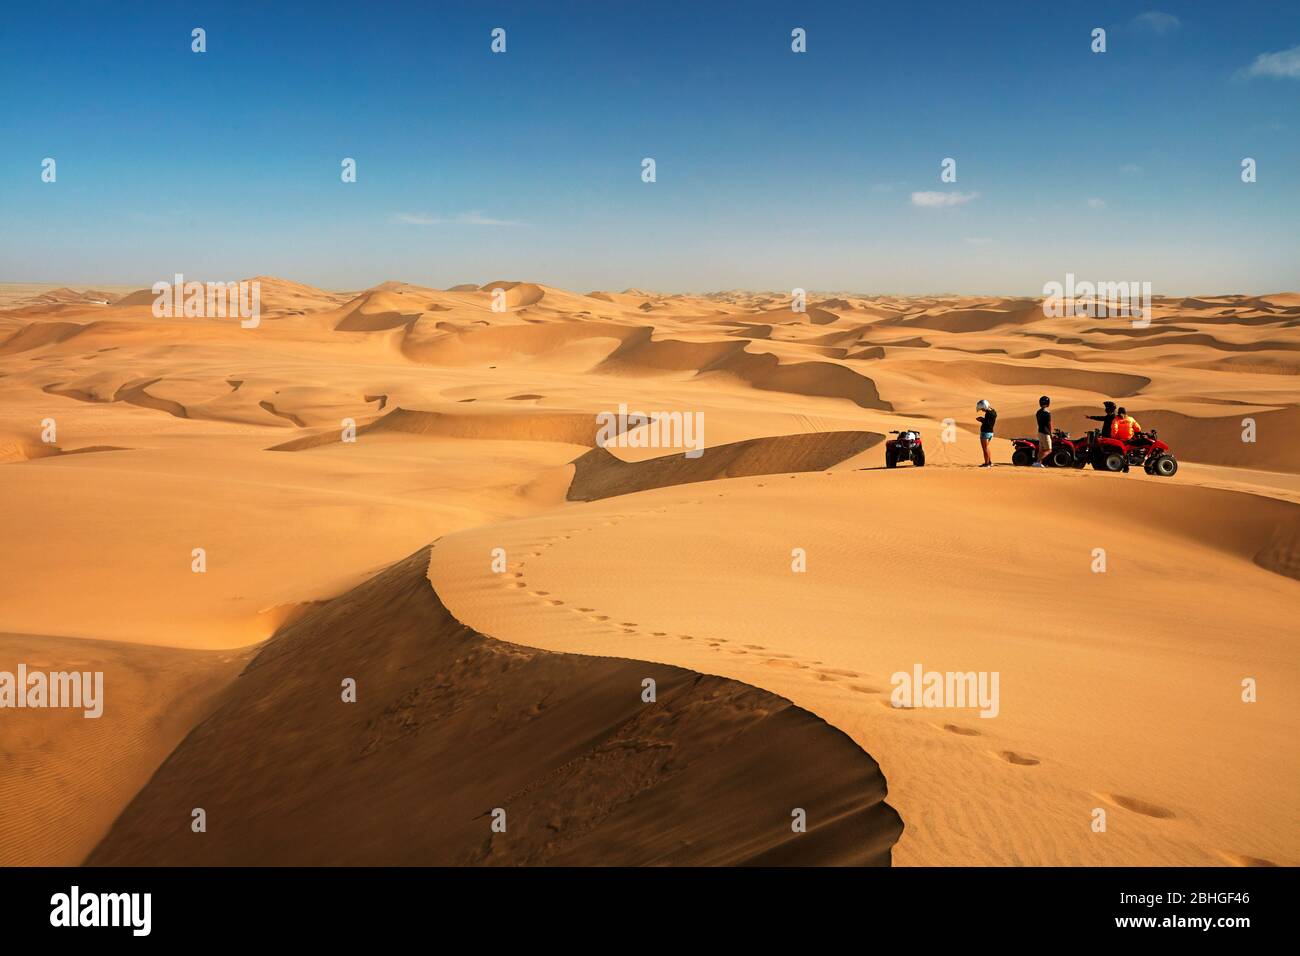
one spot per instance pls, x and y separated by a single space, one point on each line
450 725
598 474
1114 384
570 427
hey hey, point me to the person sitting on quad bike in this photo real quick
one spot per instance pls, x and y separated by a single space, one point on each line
1125 425
1107 420
987 422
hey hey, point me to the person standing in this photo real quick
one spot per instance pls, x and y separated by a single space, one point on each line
1107 420
987 421
1044 418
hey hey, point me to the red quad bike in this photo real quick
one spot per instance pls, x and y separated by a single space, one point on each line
1144 448
906 447
1064 453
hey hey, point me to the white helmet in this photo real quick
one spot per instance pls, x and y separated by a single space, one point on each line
983 405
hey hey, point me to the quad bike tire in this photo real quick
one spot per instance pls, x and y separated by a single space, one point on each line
890 462
1079 462
1165 466
1110 461
919 460
1060 458
1022 456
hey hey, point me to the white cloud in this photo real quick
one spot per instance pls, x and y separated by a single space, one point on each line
936 200
1157 22
1095 203
1285 64
461 219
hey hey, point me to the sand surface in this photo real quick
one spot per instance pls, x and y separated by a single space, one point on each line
476 430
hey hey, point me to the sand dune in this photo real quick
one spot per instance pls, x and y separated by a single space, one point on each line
1097 670
598 474
65 777
450 724
477 428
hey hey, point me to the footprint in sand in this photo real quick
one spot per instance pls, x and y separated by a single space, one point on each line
864 689
756 647
964 731
539 593
659 633
773 662
627 623
1144 807
1020 760
586 610
600 617
685 637
555 602
518 584
839 673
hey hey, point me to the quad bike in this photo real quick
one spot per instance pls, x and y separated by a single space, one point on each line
906 447
1144 448
1064 453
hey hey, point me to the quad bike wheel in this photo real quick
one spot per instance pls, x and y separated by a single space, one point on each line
890 462
919 460
1022 456
1109 461
1166 466
1079 462
1060 457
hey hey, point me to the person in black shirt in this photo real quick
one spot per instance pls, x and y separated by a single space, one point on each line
1107 420
987 421
1044 418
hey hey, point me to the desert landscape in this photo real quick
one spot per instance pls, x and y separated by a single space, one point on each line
403 487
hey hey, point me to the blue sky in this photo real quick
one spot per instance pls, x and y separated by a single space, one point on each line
774 169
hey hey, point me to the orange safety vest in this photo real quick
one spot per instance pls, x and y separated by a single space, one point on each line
1125 428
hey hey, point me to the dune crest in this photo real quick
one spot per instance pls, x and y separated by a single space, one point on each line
450 724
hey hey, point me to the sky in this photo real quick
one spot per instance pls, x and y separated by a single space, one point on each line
773 169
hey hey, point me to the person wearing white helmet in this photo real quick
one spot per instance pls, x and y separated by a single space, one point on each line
987 422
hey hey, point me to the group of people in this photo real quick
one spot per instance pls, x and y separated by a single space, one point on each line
1115 423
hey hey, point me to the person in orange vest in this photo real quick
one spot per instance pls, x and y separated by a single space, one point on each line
1125 426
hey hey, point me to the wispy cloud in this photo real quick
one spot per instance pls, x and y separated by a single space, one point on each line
461 219
1095 203
937 200
1157 22
1285 64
